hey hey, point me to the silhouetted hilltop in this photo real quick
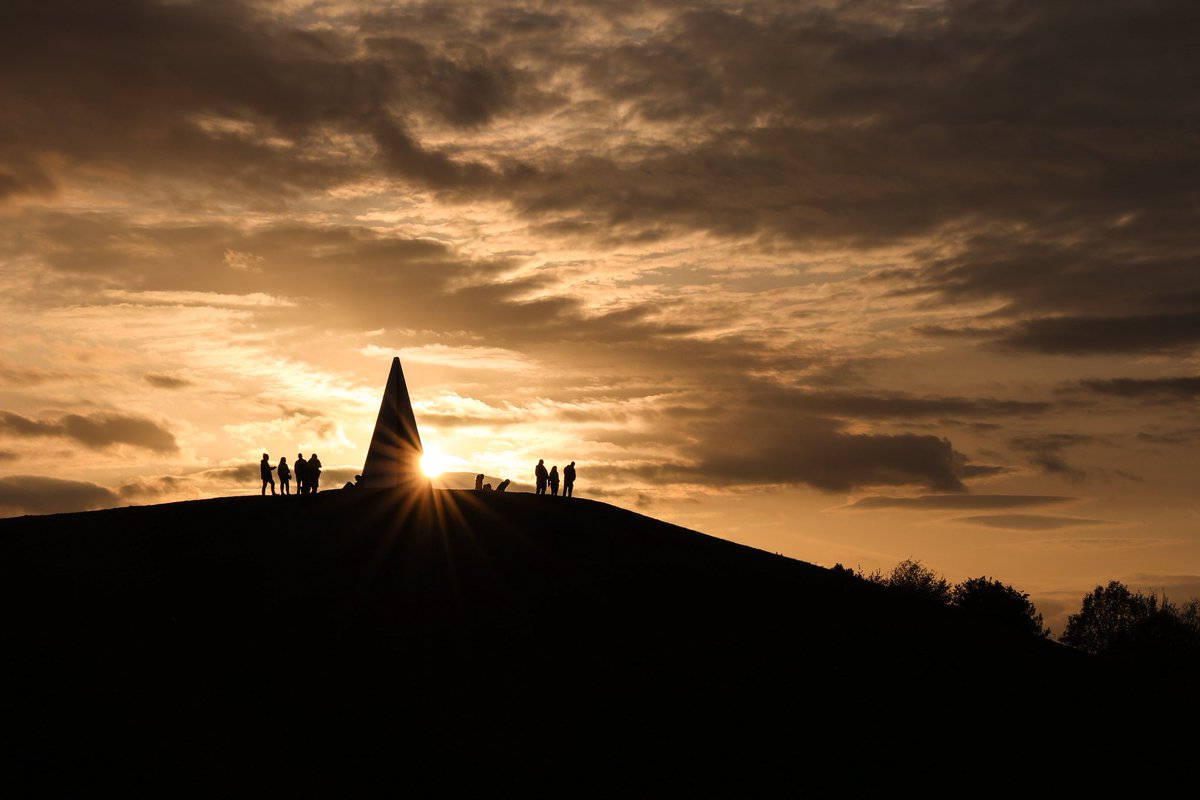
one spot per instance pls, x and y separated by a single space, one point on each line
358 632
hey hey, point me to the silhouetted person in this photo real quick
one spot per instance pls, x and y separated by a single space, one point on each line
539 474
554 480
285 476
503 485
487 487
479 482
569 480
301 474
265 468
357 481
314 473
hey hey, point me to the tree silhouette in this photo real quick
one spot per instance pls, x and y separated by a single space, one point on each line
1106 622
999 602
916 580
1128 626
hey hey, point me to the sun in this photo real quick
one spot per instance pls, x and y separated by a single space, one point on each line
434 463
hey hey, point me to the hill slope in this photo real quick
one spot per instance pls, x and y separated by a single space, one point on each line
356 631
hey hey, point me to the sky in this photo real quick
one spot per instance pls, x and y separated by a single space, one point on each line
849 281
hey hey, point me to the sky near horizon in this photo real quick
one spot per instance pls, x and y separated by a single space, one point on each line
850 281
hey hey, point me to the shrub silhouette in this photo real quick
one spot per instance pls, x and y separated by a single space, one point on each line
914 579
999 602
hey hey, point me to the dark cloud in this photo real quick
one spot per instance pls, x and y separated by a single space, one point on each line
38 494
17 425
1182 388
899 405
855 123
1027 522
144 83
150 488
1045 451
813 452
102 430
28 376
96 431
166 381
1075 335
1165 436
8 455
944 502
969 471
239 473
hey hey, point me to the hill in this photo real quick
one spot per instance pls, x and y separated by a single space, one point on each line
356 632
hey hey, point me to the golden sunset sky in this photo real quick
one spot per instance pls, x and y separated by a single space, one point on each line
849 281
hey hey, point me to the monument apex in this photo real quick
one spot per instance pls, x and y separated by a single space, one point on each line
394 456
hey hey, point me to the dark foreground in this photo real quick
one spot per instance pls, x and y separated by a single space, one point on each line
457 639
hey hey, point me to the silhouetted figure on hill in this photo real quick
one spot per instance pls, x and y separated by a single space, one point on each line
569 480
314 473
553 478
479 482
285 476
540 475
355 485
503 485
301 474
265 468
487 487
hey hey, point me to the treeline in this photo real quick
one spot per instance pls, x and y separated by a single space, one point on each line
1113 622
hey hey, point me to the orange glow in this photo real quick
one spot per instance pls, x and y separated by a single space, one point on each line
434 463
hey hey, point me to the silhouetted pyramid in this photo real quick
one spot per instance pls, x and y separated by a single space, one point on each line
394 457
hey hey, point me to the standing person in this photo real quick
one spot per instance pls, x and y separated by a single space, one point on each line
554 480
301 474
285 476
314 473
479 482
569 480
265 468
539 474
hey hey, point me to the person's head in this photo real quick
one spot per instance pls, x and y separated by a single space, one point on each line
283 459
300 456
540 461
358 478
265 456
572 463
314 455
554 468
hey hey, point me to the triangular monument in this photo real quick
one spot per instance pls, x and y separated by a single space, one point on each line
394 457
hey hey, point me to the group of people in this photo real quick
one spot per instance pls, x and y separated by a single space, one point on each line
480 486
308 474
543 478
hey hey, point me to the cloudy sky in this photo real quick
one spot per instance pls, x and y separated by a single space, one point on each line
851 281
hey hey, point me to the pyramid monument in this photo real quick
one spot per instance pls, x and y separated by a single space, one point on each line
394 457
